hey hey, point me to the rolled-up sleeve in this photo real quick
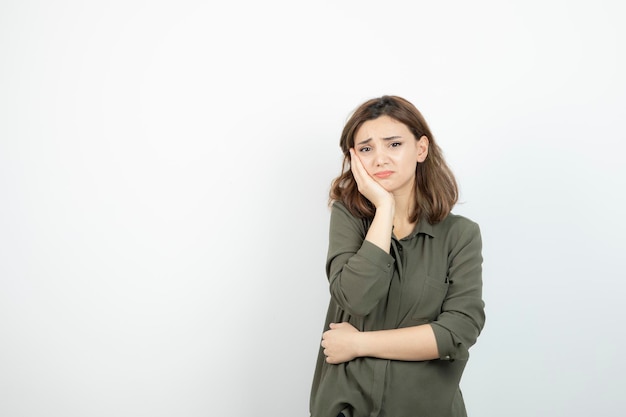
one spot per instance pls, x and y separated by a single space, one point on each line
358 271
463 311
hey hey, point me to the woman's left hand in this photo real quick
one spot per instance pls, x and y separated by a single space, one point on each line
339 343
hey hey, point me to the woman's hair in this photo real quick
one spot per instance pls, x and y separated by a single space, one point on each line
436 190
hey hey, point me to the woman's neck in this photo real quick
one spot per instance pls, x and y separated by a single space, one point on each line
404 205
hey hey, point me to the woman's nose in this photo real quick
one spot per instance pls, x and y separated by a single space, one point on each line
381 157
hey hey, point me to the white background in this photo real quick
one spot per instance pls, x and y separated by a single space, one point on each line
164 170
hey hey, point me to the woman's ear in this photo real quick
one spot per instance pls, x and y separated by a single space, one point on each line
422 149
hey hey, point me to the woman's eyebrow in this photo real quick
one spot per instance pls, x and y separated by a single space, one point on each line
363 142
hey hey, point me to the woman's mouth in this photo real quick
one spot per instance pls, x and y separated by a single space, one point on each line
383 174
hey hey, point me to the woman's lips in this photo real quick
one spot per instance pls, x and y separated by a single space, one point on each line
383 174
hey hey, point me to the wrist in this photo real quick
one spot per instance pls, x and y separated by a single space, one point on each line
360 344
387 206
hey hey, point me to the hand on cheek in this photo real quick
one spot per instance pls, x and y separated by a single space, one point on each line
367 185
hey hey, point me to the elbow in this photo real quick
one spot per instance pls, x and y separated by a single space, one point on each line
359 294
360 311
454 339
356 308
355 303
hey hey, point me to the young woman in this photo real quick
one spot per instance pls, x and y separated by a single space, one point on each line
404 273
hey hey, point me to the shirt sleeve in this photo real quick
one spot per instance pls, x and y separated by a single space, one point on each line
358 271
463 315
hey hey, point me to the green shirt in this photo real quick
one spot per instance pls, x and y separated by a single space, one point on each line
433 275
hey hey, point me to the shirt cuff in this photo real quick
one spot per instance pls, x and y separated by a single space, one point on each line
448 351
376 256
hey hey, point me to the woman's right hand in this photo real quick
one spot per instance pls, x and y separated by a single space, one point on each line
367 185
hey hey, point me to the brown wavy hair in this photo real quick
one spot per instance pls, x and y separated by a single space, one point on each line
436 190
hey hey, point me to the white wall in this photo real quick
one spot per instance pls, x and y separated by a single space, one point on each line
164 169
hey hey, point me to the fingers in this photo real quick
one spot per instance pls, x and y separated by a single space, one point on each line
334 343
357 167
326 351
324 344
366 184
361 176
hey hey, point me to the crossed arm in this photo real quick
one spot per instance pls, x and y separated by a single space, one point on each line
343 342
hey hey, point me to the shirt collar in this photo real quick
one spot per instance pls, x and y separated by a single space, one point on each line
423 227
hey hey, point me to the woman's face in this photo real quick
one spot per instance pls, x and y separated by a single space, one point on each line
389 152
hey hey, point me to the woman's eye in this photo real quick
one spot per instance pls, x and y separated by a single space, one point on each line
395 144
365 149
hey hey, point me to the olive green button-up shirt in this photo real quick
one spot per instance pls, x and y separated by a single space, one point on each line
433 275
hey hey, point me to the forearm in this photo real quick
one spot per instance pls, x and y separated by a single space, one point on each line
379 232
415 343
359 271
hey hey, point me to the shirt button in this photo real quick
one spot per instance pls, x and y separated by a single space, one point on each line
388 265
447 357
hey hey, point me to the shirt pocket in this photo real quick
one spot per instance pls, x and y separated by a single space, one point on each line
430 301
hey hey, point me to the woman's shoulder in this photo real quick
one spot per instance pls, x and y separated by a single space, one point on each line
456 223
340 213
339 207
